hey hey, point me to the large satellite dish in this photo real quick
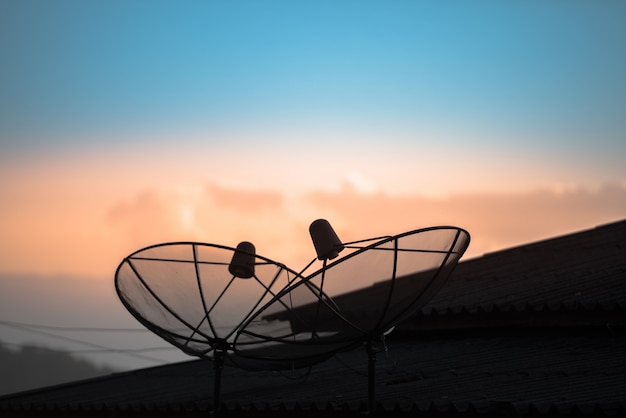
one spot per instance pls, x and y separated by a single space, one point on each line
232 304
353 299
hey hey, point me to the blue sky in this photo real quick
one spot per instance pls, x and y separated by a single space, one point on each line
551 73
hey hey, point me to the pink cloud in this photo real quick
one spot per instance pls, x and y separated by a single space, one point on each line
74 235
212 213
494 220
247 201
229 215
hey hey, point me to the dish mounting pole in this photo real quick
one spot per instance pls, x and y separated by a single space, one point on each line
218 366
371 377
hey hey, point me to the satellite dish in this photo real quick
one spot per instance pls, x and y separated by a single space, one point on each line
353 300
234 305
196 296
359 296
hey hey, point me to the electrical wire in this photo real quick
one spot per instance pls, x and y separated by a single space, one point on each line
81 329
94 351
96 347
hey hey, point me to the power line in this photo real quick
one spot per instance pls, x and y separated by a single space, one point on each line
98 347
123 350
82 329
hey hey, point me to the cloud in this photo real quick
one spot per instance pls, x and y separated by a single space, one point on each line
359 183
494 220
149 212
211 213
279 227
246 201
75 227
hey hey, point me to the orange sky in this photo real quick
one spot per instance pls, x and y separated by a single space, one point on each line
80 214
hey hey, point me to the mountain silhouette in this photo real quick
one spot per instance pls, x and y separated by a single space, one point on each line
31 367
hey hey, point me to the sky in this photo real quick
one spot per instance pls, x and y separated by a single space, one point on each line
125 124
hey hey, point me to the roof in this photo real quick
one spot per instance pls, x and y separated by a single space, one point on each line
574 279
480 373
585 268
535 330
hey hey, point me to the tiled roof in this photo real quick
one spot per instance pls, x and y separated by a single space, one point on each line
583 271
530 331
480 373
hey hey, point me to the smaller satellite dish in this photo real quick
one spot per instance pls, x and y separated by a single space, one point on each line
196 296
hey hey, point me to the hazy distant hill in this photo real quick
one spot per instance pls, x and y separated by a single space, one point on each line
32 367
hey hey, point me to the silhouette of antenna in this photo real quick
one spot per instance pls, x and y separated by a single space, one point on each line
232 304
354 300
